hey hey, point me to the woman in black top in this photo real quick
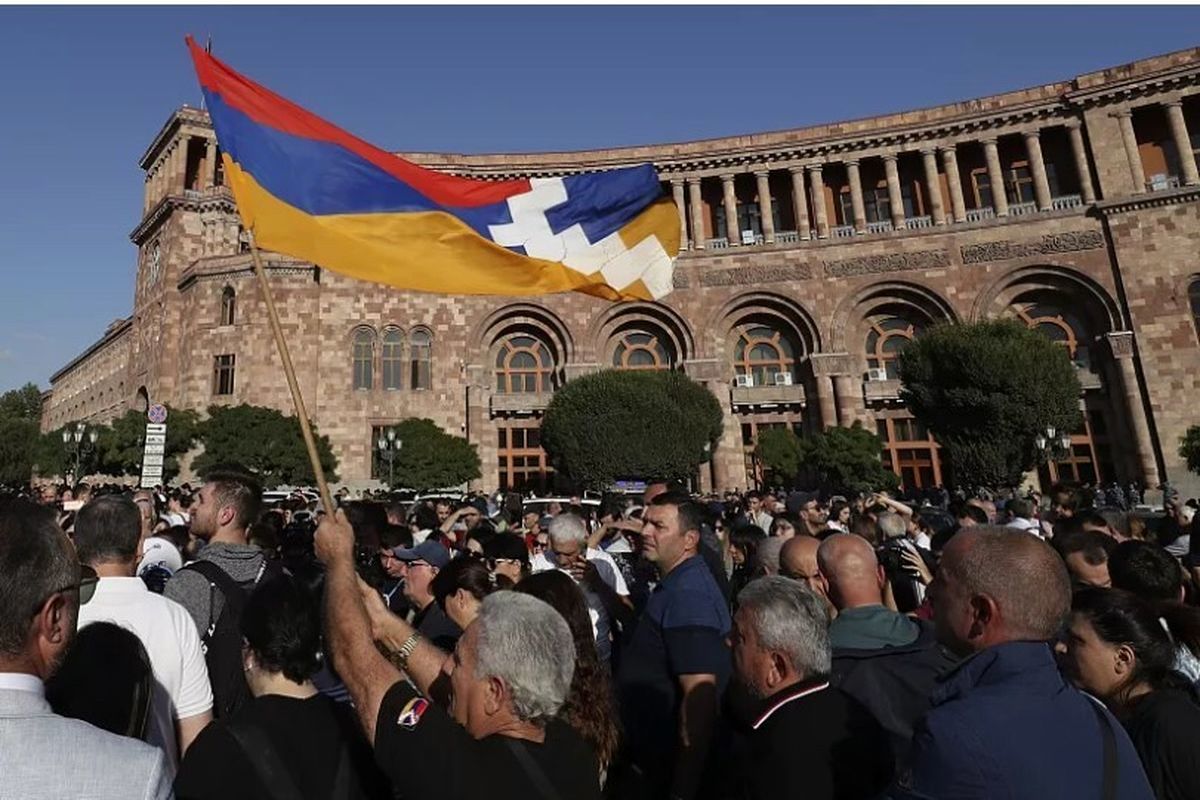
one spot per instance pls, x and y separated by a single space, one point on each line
743 552
290 742
1118 649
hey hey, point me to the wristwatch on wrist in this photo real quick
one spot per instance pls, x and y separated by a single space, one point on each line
401 656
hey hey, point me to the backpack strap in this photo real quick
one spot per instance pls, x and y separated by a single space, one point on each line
1109 786
272 774
536 775
219 579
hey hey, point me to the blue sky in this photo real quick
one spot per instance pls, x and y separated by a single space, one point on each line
84 90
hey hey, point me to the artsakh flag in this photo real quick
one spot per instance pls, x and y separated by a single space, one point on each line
313 191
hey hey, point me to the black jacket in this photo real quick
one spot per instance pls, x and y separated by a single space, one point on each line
811 740
895 683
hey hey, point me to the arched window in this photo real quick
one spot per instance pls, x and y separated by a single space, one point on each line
421 359
641 350
886 337
762 352
1061 327
364 358
228 305
393 358
524 365
1194 302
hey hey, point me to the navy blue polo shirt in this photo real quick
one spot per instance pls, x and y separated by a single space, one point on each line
682 632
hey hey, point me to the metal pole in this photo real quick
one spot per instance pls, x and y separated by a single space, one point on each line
290 372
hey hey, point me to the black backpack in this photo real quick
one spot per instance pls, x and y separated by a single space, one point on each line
223 640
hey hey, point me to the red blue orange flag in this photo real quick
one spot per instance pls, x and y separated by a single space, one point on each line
313 191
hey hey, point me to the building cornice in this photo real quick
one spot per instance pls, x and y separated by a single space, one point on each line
178 117
1137 202
115 331
241 264
999 114
216 199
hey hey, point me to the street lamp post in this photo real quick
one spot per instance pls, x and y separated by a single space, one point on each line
389 448
1052 444
80 443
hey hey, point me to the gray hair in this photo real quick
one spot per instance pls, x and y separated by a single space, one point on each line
790 619
36 560
768 554
525 643
891 525
567 528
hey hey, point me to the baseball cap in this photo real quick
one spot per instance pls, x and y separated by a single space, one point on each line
157 551
429 551
798 500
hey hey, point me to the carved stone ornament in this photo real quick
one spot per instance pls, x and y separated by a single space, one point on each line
1121 343
832 364
887 262
741 276
1072 241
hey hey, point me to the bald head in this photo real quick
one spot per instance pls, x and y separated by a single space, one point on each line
798 558
851 571
996 585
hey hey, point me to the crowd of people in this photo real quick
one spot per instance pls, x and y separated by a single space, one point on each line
191 642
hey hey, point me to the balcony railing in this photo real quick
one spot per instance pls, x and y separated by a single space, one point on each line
1059 203
881 390
1159 183
1066 201
521 402
766 395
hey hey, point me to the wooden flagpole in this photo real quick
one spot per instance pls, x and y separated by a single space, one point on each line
297 399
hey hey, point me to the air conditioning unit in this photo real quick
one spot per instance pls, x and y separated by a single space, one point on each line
748 237
744 381
877 374
783 379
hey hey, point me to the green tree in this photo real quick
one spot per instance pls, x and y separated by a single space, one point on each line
50 455
617 424
119 446
20 415
23 403
1189 448
845 460
261 440
430 458
778 449
18 442
985 390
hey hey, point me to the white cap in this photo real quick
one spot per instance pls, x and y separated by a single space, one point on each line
161 552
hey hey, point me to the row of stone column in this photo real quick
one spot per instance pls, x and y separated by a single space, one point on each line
168 173
807 228
1179 133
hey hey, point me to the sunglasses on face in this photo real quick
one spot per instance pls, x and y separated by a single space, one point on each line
86 586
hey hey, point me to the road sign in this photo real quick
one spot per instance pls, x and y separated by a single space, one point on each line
155 448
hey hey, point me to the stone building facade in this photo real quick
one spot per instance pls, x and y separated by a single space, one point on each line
811 256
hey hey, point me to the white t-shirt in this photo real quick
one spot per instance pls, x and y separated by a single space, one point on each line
169 635
601 625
